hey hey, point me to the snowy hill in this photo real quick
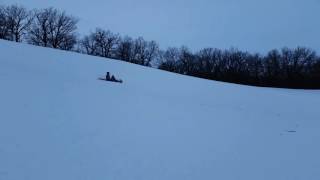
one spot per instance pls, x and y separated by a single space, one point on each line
58 122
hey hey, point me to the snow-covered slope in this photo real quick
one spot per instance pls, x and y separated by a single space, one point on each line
58 122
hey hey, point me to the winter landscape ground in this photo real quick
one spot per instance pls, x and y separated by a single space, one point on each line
58 122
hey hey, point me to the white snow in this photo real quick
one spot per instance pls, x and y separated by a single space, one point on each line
58 122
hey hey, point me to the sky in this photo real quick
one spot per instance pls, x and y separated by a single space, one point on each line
251 25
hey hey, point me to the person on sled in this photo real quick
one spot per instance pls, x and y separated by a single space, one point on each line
112 78
108 76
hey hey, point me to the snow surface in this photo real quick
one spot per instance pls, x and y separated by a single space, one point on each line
58 122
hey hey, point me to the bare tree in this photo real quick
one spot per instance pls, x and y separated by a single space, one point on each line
139 51
255 69
39 32
101 43
144 52
303 59
106 42
52 28
272 66
17 21
4 29
124 50
208 62
152 53
187 59
89 45
170 59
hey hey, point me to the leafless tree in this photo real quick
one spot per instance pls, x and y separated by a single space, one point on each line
124 50
101 43
52 28
206 59
139 51
17 20
272 65
303 59
255 68
188 60
106 42
152 53
169 59
89 45
4 29
144 52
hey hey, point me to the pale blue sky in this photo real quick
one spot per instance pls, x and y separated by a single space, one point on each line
254 25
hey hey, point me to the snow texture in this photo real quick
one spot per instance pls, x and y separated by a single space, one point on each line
58 122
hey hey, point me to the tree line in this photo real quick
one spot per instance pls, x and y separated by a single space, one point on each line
288 68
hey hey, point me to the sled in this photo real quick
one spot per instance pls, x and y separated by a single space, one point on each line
115 81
